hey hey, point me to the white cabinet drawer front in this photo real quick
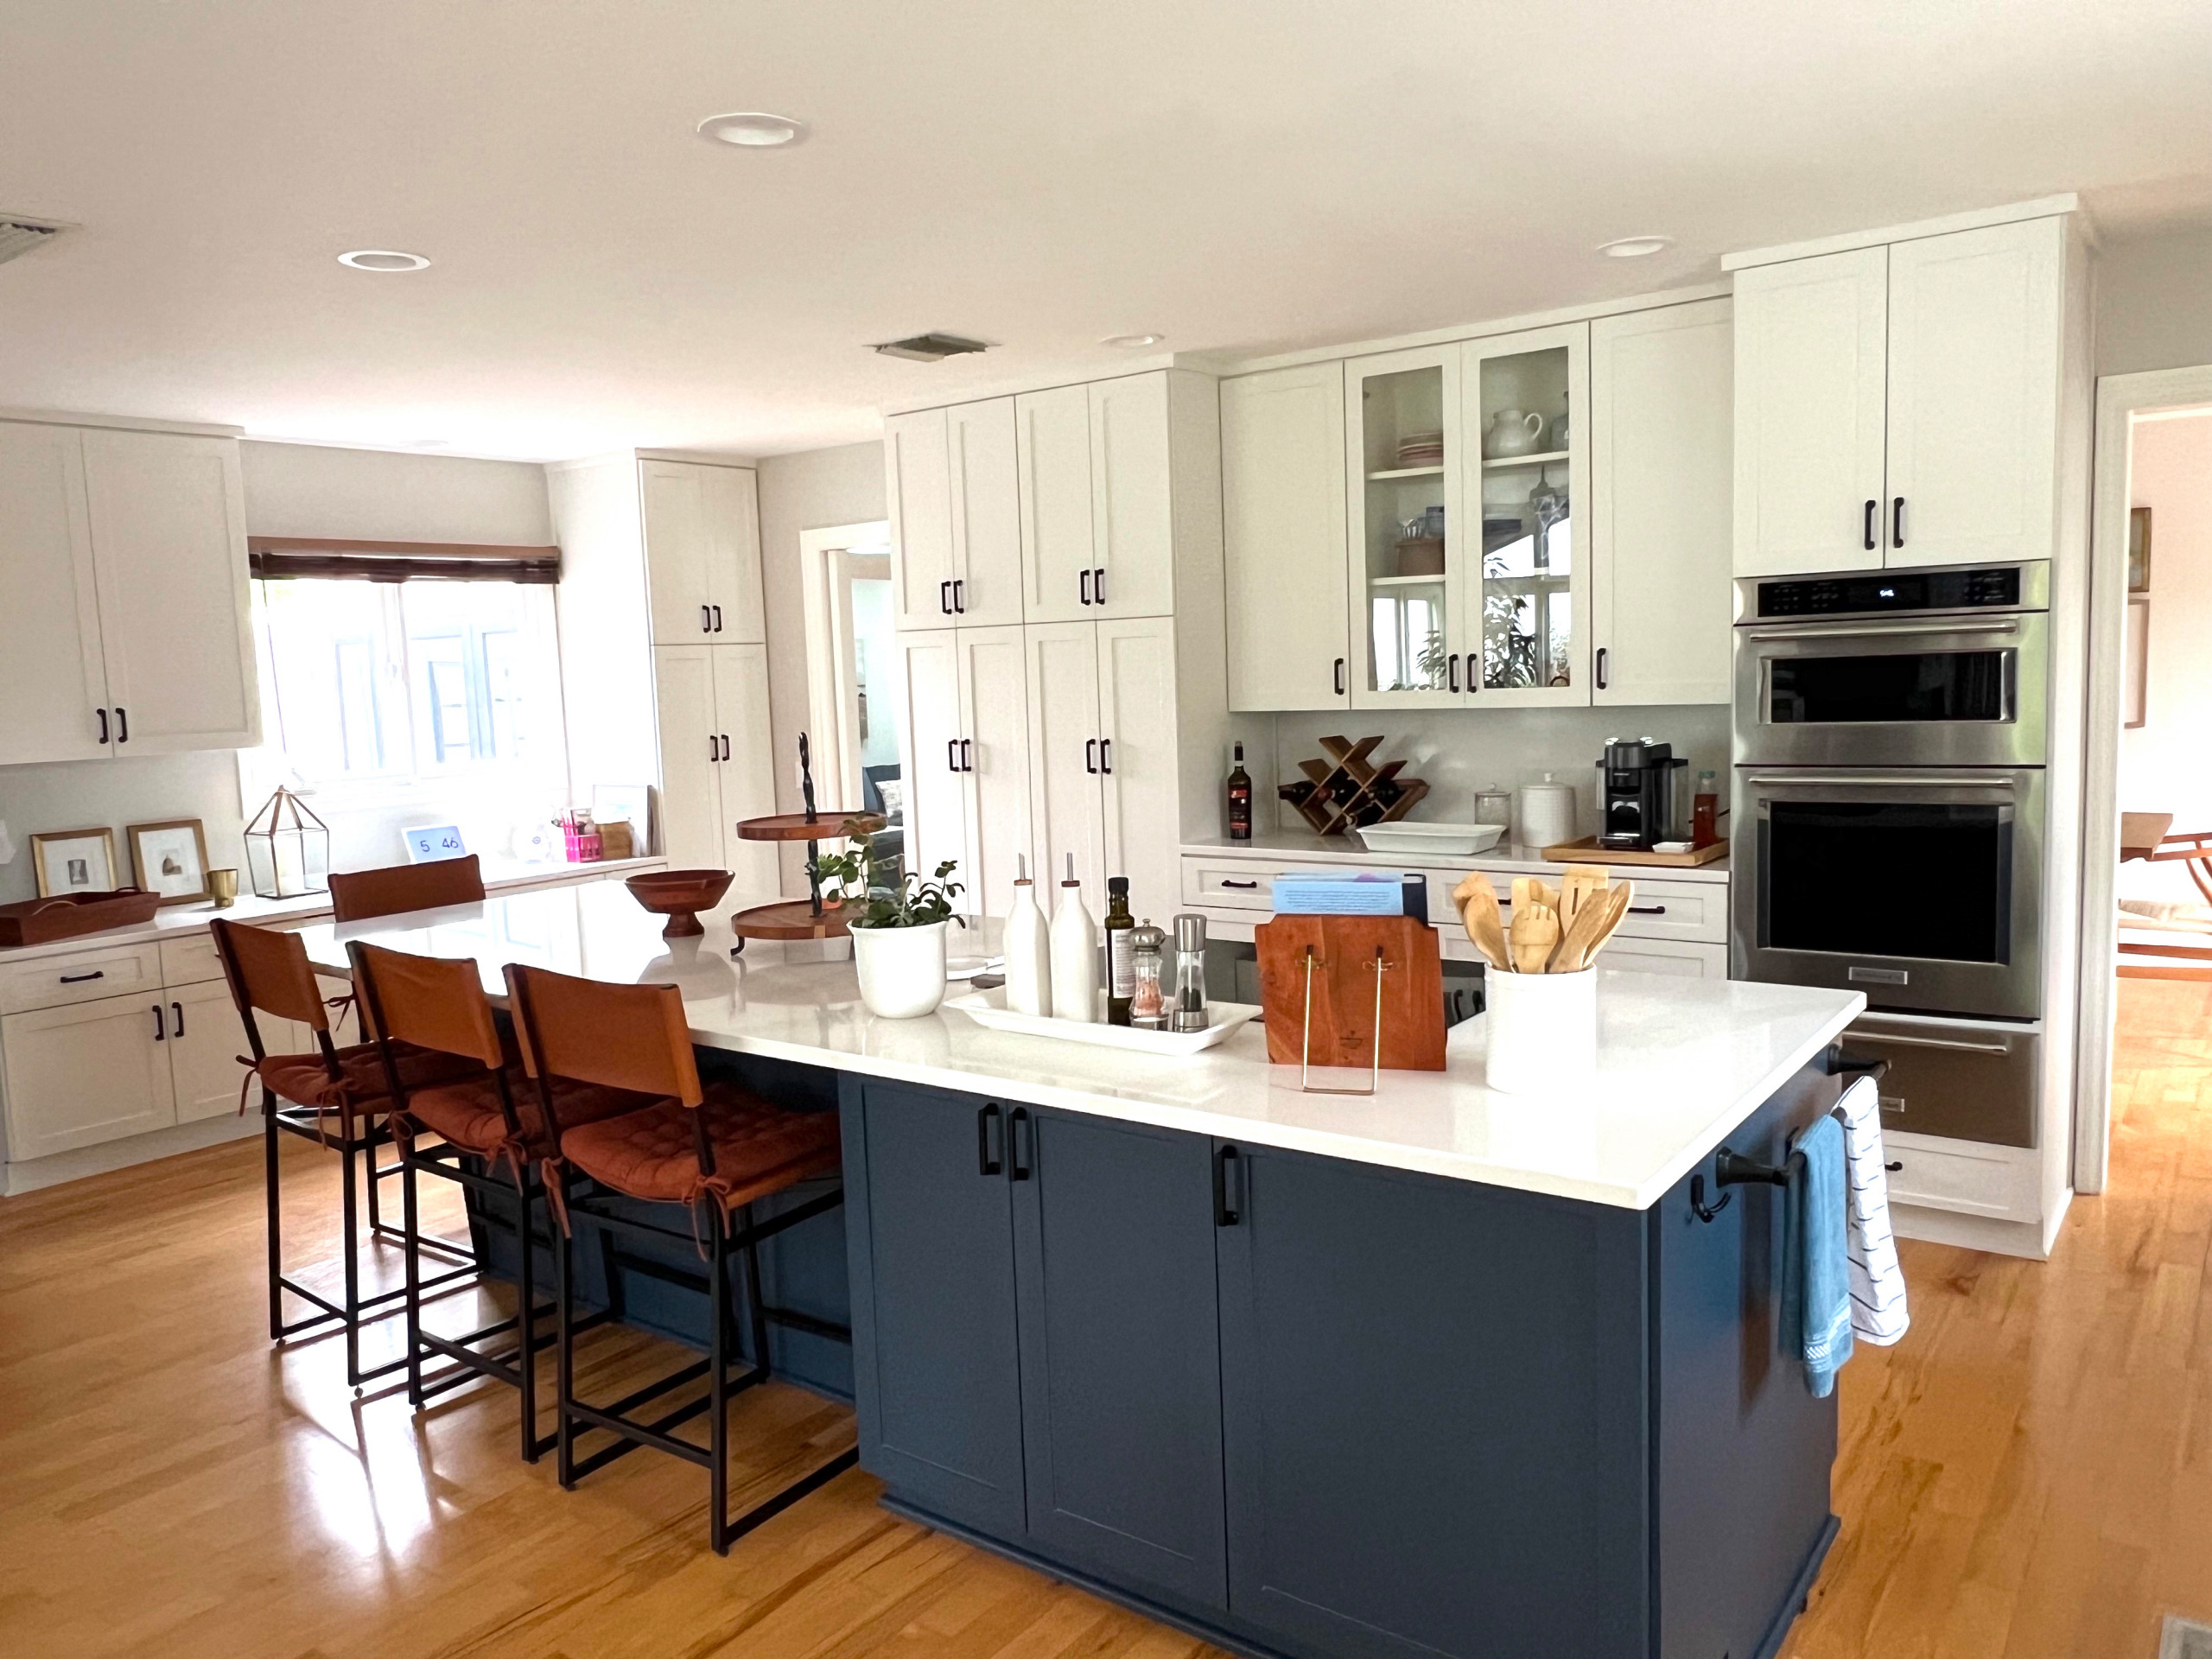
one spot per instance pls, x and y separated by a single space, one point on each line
1665 957
1232 883
80 1075
80 977
191 960
1689 910
1962 1176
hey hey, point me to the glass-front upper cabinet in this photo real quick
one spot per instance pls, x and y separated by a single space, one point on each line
1526 468
1410 642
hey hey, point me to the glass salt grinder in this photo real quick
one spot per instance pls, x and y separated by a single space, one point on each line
1190 1010
1147 1000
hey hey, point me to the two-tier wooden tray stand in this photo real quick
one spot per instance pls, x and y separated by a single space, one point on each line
808 917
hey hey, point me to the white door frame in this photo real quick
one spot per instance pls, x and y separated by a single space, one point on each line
828 634
2122 400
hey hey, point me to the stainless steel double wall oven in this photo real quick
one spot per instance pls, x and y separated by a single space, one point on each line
1889 812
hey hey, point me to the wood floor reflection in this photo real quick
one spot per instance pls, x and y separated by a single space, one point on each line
2029 1474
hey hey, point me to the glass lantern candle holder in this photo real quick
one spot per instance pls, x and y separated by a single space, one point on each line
287 849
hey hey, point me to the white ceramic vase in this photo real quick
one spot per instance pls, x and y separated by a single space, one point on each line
1541 1030
901 969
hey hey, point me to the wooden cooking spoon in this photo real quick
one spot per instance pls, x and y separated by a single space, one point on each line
1478 902
1573 948
1535 933
1615 907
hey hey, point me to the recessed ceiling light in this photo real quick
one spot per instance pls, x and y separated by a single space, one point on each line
1132 342
383 259
1636 247
753 128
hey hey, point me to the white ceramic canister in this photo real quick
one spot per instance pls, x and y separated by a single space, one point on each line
1540 1030
1544 814
901 969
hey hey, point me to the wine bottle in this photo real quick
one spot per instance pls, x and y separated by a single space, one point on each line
1239 799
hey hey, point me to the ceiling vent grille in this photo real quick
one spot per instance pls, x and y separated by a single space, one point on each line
929 348
21 236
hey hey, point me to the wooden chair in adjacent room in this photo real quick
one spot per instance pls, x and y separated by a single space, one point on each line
2160 939
391 890
710 1151
335 1098
484 1119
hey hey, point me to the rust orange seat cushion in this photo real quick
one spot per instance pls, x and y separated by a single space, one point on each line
303 1080
759 1149
466 1113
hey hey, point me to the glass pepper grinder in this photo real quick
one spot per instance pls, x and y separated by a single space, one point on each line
1147 998
1189 1012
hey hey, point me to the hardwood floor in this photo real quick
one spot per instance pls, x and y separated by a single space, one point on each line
2029 1474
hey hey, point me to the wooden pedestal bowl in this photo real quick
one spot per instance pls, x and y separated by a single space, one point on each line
680 895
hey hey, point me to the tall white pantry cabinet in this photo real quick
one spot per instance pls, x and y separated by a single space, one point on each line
663 646
1057 579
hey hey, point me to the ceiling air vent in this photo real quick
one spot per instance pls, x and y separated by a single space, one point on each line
929 348
20 236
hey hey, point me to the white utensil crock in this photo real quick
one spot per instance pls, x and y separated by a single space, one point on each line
1540 1029
901 969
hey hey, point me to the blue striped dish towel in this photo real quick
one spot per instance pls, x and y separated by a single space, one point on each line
1816 1263
1878 1307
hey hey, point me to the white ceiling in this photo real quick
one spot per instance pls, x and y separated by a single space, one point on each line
1246 173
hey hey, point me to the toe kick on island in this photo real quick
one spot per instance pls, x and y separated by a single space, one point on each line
1313 1408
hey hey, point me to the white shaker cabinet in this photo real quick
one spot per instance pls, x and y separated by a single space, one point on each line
168 517
205 1039
1132 500
747 771
1811 378
1138 760
1064 728
712 702
1663 418
917 498
994 757
53 702
1059 553
703 553
88 1072
986 502
1282 488
1975 327
936 813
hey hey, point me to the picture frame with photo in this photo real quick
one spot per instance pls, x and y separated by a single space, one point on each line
2138 549
74 862
171 858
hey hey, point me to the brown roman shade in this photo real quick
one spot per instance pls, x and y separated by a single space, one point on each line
274 557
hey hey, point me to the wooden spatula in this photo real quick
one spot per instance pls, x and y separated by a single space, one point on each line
1573 951
1478 902
1576 885
1616 904
1534 934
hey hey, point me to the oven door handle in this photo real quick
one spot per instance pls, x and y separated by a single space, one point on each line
1880 630
1885 780
1931 1042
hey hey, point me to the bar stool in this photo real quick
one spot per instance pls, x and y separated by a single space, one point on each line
715 1150
267 973
481 1117
362 895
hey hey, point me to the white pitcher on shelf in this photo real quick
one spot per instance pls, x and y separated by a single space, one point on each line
1513 432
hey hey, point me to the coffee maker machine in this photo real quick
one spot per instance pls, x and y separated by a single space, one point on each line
1643 802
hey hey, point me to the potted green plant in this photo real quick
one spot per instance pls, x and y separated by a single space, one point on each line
898 922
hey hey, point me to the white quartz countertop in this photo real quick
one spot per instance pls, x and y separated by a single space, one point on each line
1301 846
1681 1061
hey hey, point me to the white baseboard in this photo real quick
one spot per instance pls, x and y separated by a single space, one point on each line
34 1174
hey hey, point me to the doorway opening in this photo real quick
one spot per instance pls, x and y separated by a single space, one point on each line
854 711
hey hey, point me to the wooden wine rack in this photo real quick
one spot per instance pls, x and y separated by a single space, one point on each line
1345 792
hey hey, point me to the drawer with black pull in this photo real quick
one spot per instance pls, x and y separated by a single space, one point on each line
78 976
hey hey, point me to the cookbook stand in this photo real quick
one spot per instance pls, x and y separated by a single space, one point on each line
1351 991
808 917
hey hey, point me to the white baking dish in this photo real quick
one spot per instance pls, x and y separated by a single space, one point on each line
988 1009
1446 840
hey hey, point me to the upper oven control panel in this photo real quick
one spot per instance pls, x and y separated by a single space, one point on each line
1970 588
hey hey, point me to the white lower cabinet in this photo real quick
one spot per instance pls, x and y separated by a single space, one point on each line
994 765
715 764
1138 761
746 771
1999 1183
205 1039
1633 955
1065 804
936 813
88 1072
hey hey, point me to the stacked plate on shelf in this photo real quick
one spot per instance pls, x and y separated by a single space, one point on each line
1421 449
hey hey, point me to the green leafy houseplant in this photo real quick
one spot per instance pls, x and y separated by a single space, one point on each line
880 894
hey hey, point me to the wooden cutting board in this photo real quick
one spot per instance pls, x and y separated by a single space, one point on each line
1587 851
1343 990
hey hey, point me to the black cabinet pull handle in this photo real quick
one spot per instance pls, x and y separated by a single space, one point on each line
725 746
1083 584
1894 1169
1837 1063
1872 507
1453 663
718 618
960 595
103 714
1223 1215
79 979
713 747
1340 676
1098 585
1016 1170
161 1030
1896 522
986 1162
1601 668
1106 756
1239 885
123 725
967 754
1647 910
945 597
952 754
706 619
176 1012
1090 755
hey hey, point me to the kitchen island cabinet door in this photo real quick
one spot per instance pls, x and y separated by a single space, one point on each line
930 1237
1435 1404
1113 1225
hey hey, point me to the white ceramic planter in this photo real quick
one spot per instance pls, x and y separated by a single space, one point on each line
901 969
1541 1029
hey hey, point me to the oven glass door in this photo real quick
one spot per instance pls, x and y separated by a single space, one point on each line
1920 889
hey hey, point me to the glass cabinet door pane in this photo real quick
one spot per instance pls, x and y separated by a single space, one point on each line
1403 528
1528 522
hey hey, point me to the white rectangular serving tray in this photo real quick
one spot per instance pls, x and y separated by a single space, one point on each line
1444 840
988 1009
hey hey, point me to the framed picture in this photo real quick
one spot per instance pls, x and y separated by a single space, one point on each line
2135 685
2138 549
428 843
74 861
170 859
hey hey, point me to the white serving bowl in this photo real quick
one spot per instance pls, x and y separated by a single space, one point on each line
1446 840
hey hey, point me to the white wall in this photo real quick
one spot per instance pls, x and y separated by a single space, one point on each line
2162 762
2154 303
810 490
